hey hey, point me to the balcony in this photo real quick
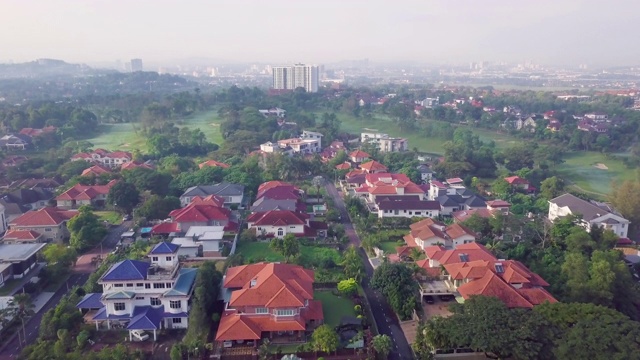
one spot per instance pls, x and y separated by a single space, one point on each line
160 273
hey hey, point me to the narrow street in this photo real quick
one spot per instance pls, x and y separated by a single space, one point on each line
384 317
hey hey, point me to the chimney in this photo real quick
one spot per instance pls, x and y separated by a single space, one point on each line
253 283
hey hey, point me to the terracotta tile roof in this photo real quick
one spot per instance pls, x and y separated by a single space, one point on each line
354 173
165 228
86 192
373 166
237 327
208 200
498 203
359 154
344 166
471 251
278 218
200 213
386 177
22 235
537 296
454 181
48 216
275 286
456 230
213 163
136 164
462 215
284 192
516 180
492 285
96 170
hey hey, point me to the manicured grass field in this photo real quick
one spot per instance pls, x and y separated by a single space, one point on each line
334 307
261 250
579 168
129 136
389 247
112 217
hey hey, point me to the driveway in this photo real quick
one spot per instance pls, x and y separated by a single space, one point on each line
384 317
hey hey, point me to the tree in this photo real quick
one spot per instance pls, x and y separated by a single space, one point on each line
59 254
382 344
625 197
501 188
352 264
519 156
397 284
124 196
288 246
157 207
317 181
325 339
21 308
86 229
348 287
551 187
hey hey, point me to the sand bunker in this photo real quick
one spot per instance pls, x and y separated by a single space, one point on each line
601 166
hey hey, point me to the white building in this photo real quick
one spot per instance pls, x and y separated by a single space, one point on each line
592 213
295 76
385 143
144 295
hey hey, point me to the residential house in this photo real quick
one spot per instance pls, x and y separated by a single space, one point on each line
312 135
501 205
137 164
406 206
22 237
593 214
359 156
15 142
278 223
13 160
11 210
590 125
275 112
332 150
385 143
554 125
429 232
373 167
426 174
17 259
300 145
528 124
213 163
385 184
31 199
344 166
355 178
80 195
268 300
31 132
96 170
467 201
463 215
207 241
233 194
201 211
279 190
519 183
144 295
50 222
107 158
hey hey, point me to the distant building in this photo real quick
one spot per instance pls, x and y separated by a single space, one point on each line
136 65
385 142
295 76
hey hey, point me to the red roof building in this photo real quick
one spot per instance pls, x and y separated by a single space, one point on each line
105 157
79 195
428 233
344 166
498 204
388 184
358 156
373 167
136 164
31 132
50 222
213 163
519 183
463 215
96 170
21 237
201 211
268 298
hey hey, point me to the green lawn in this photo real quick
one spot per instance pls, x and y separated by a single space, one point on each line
389 247
252 251
112 217
334 307
128 136
579 168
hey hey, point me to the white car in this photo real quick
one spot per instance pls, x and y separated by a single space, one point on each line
139 335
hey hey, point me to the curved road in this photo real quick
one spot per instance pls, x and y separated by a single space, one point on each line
385 318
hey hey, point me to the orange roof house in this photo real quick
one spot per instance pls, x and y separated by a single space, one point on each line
388 184
429 233
266 298
48 221
136 164
373 167
344 166
21 237
80 195
213 163
359 156
96 170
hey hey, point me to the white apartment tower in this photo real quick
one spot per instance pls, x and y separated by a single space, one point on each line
295 76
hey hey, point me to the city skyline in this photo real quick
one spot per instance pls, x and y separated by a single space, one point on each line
164 31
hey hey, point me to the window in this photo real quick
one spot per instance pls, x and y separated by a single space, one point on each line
262 311
130 285
118 306
147 286
158 286
285 312
139 297
176 320
155 301
175 304
117 285
154 258
139 285
280 232
168 285
47 229
169 258
418 213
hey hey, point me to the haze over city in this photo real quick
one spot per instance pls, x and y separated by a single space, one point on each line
282 31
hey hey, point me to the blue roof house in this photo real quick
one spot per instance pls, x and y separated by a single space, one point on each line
143 295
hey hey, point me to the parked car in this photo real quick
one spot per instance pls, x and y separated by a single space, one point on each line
429 299
446 297
227 344
139 335
126 217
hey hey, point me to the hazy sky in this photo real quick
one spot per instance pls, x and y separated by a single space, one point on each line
321 31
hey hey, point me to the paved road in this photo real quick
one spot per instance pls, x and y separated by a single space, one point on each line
13 348
385 318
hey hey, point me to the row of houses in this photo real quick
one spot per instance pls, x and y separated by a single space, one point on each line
24 138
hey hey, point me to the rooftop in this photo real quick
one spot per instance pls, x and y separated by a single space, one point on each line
18 252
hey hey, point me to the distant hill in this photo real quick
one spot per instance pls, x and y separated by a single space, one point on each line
46 68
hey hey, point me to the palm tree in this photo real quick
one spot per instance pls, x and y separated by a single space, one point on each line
22 307
317 182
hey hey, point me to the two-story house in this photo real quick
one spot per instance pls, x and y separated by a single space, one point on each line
207 211
429 232
278 223
592 213
426 174
406 206
359 156
144 295
111 159
80 195
49 222
386 184
373 167
233 194
33 198
267 300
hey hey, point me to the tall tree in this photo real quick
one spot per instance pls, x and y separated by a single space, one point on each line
324 338
397 284
352 264
382 344
124 196
625 197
